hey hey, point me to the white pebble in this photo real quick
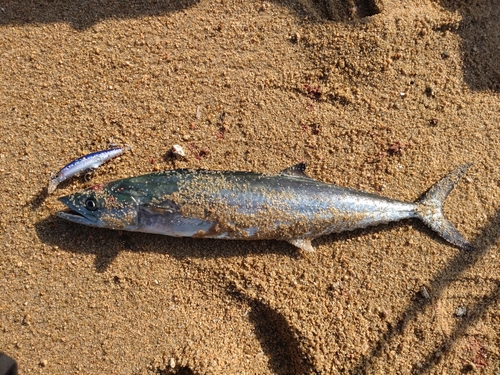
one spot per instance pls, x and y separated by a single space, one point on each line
178 151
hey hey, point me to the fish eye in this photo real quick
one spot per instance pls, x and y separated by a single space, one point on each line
91 204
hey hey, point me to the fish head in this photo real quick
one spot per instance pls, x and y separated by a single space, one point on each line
103 207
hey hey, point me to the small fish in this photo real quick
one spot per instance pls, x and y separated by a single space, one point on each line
288 206
85 163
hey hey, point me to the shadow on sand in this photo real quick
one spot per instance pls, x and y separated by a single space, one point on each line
480 33
462 262
280 342
82 14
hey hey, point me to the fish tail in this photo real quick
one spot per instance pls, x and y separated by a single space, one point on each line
430 208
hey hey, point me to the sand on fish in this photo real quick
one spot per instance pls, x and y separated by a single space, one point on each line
380 95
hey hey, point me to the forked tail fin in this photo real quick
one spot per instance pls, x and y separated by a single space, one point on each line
431 203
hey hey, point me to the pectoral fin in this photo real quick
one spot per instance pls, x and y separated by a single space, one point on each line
163 208
302 243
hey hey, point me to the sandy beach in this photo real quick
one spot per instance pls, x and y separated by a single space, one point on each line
385 96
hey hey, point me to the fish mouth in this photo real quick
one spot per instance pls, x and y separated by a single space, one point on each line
76 214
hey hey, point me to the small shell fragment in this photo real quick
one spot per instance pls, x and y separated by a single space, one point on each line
460 312
178 151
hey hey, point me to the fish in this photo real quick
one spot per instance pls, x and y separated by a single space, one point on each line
288 206
85 163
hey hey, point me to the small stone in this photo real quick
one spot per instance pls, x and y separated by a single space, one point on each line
171 363
178 151
26 320
429 91
434 121
424 293
43 363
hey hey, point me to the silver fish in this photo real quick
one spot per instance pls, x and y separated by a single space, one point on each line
288 206
82 164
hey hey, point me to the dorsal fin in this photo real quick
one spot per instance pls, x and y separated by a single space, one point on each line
297 170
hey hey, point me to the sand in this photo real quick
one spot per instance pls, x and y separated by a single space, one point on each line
384 95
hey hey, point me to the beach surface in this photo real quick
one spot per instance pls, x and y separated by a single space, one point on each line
385 96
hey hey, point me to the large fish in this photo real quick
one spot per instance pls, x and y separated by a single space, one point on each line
288 206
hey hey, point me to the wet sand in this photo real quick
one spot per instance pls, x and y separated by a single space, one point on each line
374 95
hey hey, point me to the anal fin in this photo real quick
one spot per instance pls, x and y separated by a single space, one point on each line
302 243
